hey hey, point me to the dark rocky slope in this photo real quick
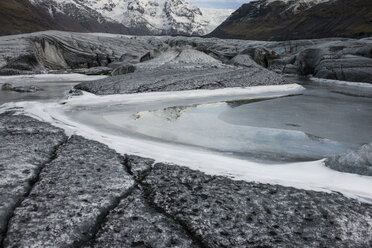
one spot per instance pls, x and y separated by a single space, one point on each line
277 20
20 16
86 195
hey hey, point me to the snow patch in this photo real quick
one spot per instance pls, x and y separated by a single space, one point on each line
295 5
215 17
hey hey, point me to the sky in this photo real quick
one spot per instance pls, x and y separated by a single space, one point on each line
219 4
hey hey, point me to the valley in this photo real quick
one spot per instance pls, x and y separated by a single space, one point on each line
136 131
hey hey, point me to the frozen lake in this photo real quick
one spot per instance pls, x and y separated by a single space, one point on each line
267 127
307 126
269 134
52 86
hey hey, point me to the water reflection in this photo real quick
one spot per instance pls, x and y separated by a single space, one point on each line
337 117
314 125
48 91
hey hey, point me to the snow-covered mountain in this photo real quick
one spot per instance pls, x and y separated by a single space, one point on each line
215 17
160 16
155 17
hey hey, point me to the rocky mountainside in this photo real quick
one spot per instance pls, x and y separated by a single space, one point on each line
140 17
298 19
21 16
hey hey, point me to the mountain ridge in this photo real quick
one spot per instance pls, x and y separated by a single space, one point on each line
304 19
133 17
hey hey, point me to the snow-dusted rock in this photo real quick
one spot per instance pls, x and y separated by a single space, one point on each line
221 212
296 5
26 146
243 60
136 223
76 190
168 78
358 161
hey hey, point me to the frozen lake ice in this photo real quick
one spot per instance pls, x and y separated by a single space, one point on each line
267 127
303 127
53 86
196 129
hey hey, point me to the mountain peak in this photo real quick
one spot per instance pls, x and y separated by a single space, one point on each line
155 17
